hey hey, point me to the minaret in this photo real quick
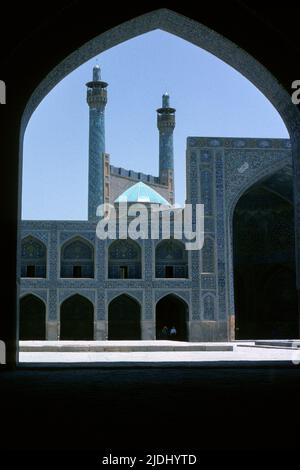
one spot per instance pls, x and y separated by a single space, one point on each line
96 99
166 125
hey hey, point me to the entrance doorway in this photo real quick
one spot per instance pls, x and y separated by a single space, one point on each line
124 321
77 319
32 318
171 311
264 260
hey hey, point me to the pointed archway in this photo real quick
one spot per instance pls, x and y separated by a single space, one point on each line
172 311
124 319
33 258
189 30
124 260
32 318
77 319
77 259
171 259
264 260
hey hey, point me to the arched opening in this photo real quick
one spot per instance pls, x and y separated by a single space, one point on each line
77 259
264 260
171 260
77 319
169 21
32 318
172 311
124 260
33 258
124 319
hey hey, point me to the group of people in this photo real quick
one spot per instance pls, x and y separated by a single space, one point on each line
168 333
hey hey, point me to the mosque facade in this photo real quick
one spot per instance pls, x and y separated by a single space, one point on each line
76 286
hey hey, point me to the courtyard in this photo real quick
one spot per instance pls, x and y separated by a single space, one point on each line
158 353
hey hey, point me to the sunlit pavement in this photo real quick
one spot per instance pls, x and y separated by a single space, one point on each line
152 353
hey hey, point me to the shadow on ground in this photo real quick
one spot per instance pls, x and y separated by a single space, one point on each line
149 409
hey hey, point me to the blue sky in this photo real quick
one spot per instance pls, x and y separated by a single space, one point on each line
211 99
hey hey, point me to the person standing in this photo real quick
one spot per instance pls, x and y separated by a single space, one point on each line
165 332
173 332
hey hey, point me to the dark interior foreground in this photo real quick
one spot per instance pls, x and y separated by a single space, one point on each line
182 409
149 409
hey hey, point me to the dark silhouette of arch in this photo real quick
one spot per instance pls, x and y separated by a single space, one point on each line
32 318
77 319
171 310
275 87
171 259
124 319
77 259
124 260
33 257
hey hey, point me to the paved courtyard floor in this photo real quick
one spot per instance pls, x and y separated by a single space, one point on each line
153 353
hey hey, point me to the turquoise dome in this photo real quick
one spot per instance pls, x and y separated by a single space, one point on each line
140 192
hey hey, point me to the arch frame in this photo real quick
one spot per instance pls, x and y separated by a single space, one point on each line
75 236
134 299
34 294
46 246
267 172
179 298
188 255
141 246
45 304
71 292
128 293
40 235
68 297
162 294
187 29
199 35
35 237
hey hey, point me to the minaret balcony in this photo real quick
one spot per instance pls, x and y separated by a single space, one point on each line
97 97
165 121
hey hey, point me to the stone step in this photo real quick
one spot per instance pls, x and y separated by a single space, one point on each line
279 343
119 346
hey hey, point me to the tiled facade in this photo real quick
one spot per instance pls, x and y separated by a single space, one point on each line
219 171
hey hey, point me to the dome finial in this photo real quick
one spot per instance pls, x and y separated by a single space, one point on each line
166 100
96 73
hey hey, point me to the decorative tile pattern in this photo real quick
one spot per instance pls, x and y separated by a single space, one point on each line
208 281
208 255
219 170
41 293
63 294
209 310
113 293
206 185
183 294
225 50
53 305
221 236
